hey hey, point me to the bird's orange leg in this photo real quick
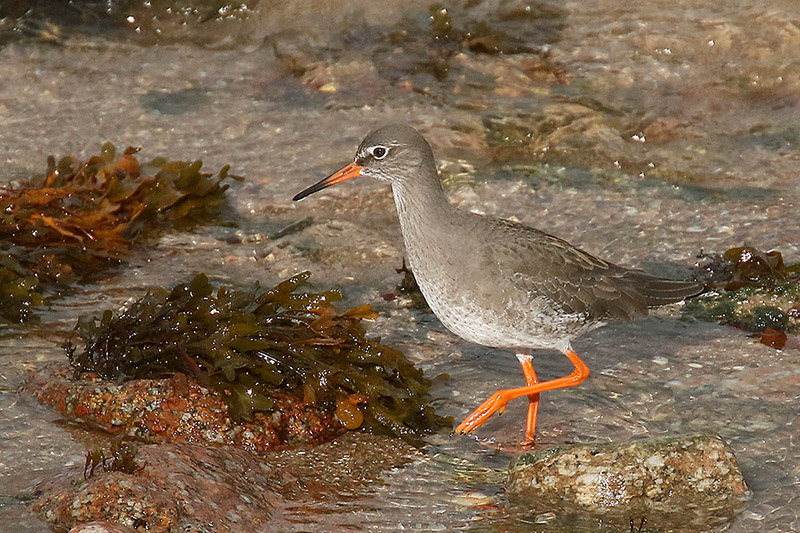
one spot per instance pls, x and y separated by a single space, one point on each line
499 399
526 361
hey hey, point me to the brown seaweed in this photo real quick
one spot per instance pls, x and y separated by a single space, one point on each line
82 217
246 344
120 457
746 266
756 291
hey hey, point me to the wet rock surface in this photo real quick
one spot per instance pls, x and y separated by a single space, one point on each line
101 526
661 474
186 486
174 489
177 409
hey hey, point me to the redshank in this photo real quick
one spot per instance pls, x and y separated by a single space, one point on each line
495 282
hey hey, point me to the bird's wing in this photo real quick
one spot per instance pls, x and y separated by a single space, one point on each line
570 279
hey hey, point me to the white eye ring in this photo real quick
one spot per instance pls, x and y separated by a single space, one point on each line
379 152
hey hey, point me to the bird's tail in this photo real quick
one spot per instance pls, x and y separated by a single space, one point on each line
659 291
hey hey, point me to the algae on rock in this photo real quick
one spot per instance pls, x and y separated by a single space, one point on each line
245 344
756 291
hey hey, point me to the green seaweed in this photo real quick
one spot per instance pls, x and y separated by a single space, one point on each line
248 344
408 286
81 218
478 36
756 291
744 308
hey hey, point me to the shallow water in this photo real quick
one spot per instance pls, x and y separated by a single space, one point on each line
644 133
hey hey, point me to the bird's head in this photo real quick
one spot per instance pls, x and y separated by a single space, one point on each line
394 153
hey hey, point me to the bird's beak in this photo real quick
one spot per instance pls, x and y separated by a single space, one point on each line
350 171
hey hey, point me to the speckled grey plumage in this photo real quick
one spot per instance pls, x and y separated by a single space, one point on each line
496 282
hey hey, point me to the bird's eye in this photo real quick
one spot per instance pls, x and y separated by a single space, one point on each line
379 152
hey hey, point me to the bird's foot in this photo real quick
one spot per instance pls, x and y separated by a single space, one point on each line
497 402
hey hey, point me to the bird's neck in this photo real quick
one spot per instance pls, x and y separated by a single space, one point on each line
422 208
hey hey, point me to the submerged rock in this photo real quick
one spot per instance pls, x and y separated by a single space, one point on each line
639 478
560 133
178 486
192 487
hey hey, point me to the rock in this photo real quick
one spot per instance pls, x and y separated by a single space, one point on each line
194 487
178 486
358 75
668 474
177 408
663 129
563 133
101 527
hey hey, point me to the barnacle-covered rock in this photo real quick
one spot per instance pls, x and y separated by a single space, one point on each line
176 408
